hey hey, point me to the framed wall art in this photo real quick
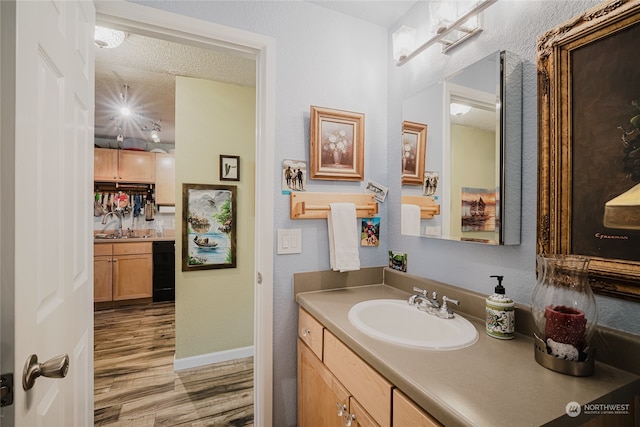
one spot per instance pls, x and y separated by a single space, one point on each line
414 145
336 145
589 122
208 226
229 168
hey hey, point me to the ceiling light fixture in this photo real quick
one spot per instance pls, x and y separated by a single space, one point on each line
459 109
108 38
450 25
124 97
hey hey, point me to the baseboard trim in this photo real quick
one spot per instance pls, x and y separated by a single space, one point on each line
210 358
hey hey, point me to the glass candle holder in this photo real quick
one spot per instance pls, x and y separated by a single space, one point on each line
563 307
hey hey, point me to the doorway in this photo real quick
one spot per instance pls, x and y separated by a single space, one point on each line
162 25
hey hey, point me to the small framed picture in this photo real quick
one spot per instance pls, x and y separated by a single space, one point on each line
229 168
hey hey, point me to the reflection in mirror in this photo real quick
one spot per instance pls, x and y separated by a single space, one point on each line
472 179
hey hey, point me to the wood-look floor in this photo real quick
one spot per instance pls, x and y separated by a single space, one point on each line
135 384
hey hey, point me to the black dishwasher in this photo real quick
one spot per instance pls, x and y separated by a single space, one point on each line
164 274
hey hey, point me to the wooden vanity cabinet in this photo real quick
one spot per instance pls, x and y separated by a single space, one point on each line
122 271
407 413
319 393
323 400
124 166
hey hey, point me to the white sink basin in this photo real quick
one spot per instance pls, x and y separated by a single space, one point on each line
397 322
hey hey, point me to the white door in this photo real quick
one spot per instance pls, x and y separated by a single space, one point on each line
53 185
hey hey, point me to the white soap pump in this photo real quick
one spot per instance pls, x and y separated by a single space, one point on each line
501 320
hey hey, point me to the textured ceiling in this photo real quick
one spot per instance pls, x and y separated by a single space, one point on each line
149 66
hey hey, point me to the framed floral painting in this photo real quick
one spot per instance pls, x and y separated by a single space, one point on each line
336 145
414 144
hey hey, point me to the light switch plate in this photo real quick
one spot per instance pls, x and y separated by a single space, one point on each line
289 241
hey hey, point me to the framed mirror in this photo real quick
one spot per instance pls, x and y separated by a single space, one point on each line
471 185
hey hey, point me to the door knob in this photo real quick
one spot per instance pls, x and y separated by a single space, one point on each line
56 367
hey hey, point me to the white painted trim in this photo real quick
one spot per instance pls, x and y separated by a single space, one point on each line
211 358
182 29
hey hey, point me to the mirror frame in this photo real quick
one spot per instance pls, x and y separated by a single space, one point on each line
612 277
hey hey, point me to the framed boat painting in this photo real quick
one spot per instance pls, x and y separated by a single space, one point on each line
208 226
589 145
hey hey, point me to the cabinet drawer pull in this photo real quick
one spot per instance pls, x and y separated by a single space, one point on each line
341 408
305 332
348 419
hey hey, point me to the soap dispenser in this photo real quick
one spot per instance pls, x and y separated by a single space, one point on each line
501 320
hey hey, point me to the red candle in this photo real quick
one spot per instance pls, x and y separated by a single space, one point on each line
565 325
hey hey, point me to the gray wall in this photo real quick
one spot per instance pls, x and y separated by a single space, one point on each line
513 26
331 60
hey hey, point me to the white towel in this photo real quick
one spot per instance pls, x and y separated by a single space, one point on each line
343 237
410 220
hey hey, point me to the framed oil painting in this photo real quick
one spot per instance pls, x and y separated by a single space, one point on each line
208 226
589 140
229 168
414 144
336 145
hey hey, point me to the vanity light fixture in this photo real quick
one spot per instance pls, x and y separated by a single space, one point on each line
107 38
404 41
449 31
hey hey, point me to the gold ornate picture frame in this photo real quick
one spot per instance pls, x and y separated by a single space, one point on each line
336 145
414 146
588 103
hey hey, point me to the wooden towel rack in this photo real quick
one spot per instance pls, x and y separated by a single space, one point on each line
428 207
316 205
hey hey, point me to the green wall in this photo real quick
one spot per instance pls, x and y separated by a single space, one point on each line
214 308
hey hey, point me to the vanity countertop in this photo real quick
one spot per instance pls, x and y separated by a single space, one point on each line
491 383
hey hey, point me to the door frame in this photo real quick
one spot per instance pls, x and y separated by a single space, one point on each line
160 24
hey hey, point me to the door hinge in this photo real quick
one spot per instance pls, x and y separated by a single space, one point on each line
6 389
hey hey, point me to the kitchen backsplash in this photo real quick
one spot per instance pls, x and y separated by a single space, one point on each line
134 223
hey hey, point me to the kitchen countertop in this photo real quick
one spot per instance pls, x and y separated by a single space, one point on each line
491 383
100 240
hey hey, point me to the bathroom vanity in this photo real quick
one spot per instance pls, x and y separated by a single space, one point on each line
489 383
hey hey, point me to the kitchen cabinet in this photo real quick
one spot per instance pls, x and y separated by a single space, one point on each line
165 179
122 271
124 166
105 164
323 400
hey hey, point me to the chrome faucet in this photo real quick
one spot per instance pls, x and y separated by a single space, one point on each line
431 305
117 213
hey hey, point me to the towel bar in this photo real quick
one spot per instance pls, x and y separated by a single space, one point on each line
428 207
317 205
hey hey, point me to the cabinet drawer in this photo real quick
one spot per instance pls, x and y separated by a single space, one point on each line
102 249
310 331
132 248
365 384
362 417
407 413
